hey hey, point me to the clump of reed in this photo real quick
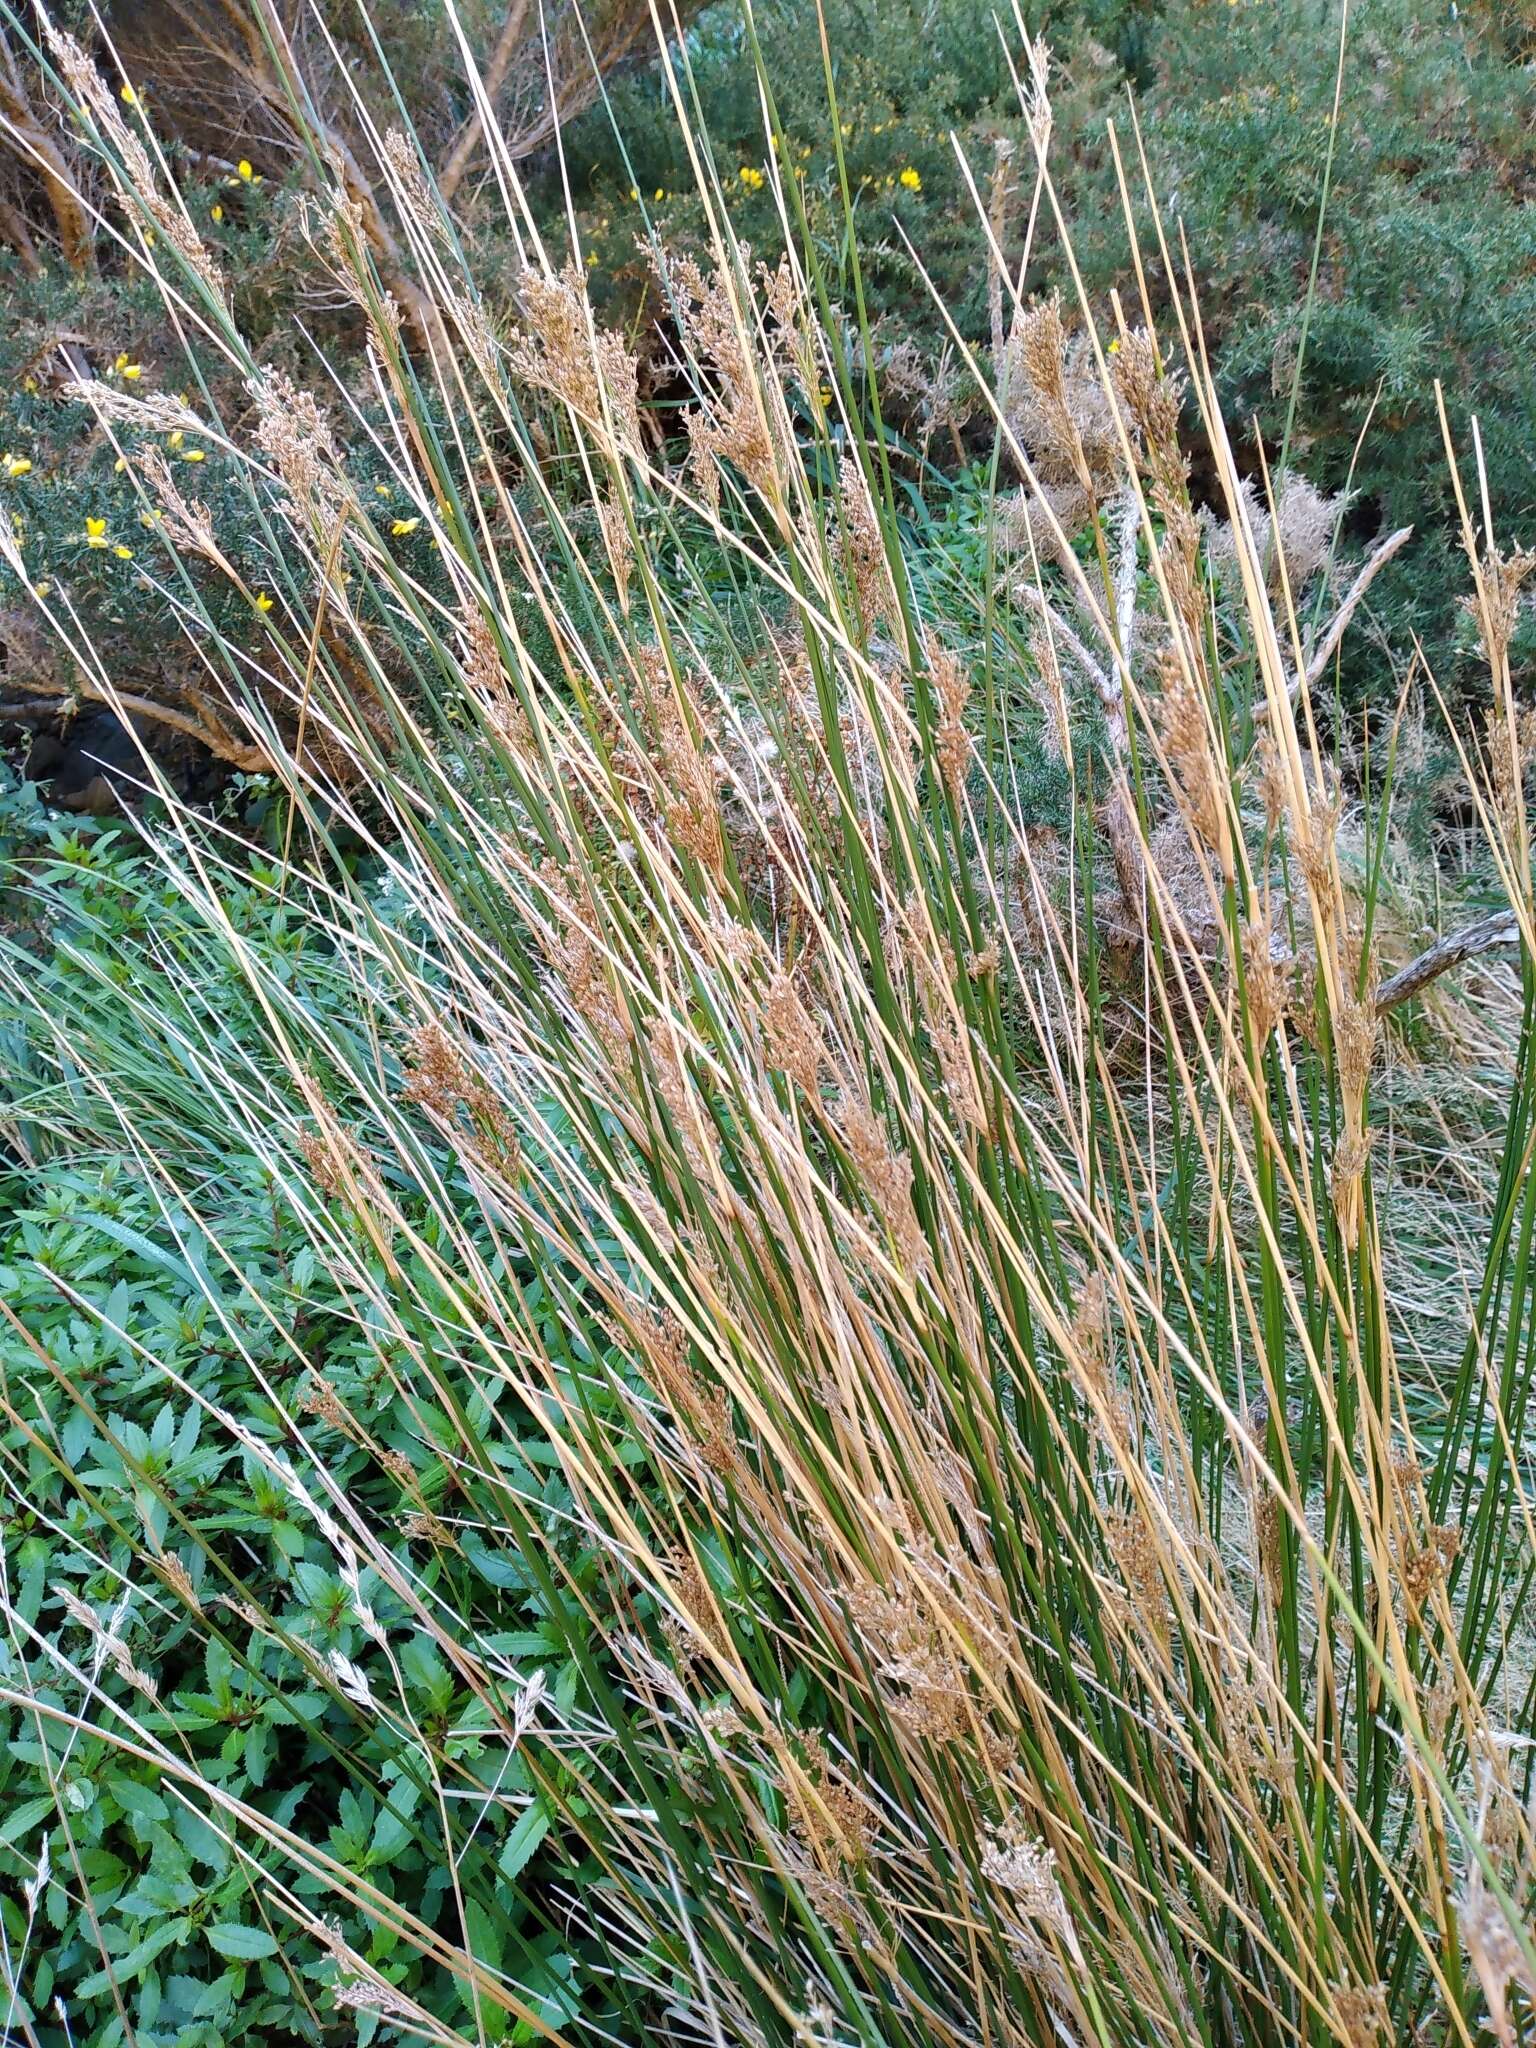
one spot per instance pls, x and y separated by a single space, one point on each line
1033 1606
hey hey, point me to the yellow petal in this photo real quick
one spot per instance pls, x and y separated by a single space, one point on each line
244 168
95 527
405 526
195 455
127 95
263 602
123 554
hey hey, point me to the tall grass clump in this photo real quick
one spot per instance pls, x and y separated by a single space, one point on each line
890 1494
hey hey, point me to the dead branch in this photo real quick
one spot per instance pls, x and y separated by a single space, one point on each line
459 157
202 723
1484 935
31 140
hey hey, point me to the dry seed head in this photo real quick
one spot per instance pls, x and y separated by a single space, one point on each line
1192 759
563 353
422 1526
1264 983
1050 691
1495 1951
413 194
321 1157
1274 792
1152 400
185 522
1363 2020
580 963
318 1398
617 545
829 1815
732 420
873 592
440 1079
930 1696
1292 546
1511 749
702 1409
952 743
177 1577
1345 1181
296 437
90 89
1136 1554
791 1040
157 412
487 682
1503 580
1060 411
1425 1568
886 1177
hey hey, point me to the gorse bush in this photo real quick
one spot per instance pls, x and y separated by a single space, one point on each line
830 1433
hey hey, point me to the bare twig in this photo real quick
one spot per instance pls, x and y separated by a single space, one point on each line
1500 928
32 141
462 153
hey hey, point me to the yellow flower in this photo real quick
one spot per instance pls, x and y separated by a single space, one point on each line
195 455
127 95
175 438
752 178
123 368
404 526
263 602
123 554
41 589
95 532
29 383
911 180
120 465
16 465
634 192
246 174
1114 346
382 490
592 260
217 211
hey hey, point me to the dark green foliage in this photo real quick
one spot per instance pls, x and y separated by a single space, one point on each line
103 1268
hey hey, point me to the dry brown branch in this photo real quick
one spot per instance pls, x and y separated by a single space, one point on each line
31 140
1328 646
462 153
202 723
1484 935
